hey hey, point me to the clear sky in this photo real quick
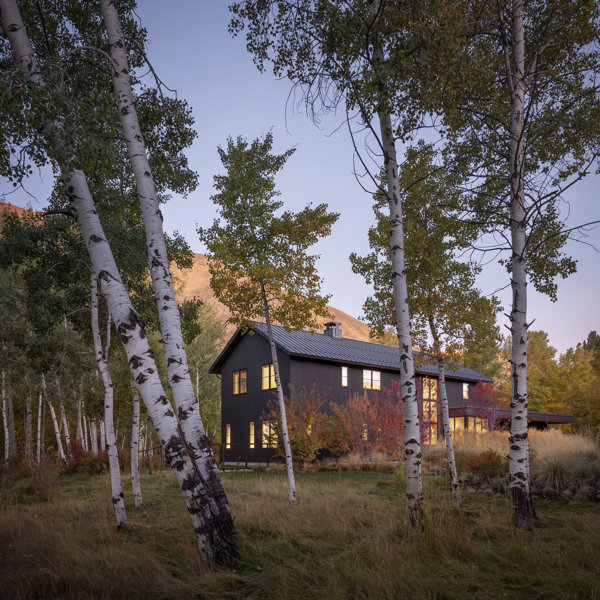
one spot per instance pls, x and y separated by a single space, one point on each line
191 49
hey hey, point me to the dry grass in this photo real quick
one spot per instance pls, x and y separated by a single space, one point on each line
348 537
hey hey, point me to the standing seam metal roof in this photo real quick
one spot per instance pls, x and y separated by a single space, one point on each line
345 350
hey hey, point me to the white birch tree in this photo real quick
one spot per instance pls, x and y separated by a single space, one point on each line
258 261
204 496
135 451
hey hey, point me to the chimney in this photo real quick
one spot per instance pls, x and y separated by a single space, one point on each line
333 329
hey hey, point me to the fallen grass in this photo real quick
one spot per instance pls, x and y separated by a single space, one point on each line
348 537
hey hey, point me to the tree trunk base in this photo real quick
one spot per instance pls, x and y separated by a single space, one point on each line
522 510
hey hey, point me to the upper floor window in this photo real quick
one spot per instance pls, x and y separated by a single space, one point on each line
344 376
429 388
465 391
239 382
371 379
268 377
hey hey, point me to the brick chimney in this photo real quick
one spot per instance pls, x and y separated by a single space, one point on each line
333 329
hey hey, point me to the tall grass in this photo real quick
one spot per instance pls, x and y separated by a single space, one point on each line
348 537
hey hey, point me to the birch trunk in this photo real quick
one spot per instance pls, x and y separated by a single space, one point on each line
200 486
135 461
86 445
102 437
65 422
170 325
5 423
410 405
113 456
28 429
150 450
12 438
518 455
289 464
94 436
59 446
79 428
39 429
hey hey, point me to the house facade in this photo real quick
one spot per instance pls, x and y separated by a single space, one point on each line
333 365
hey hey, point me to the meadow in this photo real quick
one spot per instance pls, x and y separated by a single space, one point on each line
348 537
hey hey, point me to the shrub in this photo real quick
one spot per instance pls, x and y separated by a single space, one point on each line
487 464
44 482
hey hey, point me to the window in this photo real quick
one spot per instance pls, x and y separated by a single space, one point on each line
371 380
465 391
251 436
269 434
268 377
344 376
457 424
228 436
478 425
239 382
429 388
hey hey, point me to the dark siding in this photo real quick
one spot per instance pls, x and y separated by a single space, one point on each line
251 353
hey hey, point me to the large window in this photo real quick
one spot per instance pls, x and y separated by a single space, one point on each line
371 379
239 382
269 434
344 376
251 435
478 425
228 436
465 391
430 388
430 416
268 377
457 424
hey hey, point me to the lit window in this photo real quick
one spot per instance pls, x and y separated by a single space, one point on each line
430 434
344 376
429 411
251 438
465 391
364 433
269 434
239 382
228 436
371 380
268 377
457 424
429 388
478 425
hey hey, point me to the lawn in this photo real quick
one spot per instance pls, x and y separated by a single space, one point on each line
348 537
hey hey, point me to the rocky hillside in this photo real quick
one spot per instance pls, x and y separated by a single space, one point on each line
196 282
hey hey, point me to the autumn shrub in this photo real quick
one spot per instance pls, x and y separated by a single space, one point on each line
76 455
488 464
44 479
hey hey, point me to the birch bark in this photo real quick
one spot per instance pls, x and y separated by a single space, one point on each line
135 460
213 525
28 429
518 456
150 450
94 436
113 456
410 406
446 417
39 428
59 446
86 445
5 423
12 438
102 437
79 428
65 422
289 464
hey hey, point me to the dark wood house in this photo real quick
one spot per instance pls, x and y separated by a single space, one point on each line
332 364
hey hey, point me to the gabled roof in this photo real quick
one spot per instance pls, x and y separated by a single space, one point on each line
303 344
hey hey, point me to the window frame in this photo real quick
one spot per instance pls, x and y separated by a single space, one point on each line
371 379
272 383
269 437
251 435
227 436
238 383
344 376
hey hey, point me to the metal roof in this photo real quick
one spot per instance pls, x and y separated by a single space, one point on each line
344 350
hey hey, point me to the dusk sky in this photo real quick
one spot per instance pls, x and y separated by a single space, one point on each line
191 49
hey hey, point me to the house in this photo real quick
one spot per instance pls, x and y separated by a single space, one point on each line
338 366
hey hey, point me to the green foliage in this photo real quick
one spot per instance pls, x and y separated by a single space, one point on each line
254 246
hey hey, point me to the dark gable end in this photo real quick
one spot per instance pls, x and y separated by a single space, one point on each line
304 344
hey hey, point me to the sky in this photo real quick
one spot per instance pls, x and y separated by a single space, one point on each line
192 51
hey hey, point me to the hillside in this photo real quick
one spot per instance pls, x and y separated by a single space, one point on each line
196 282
